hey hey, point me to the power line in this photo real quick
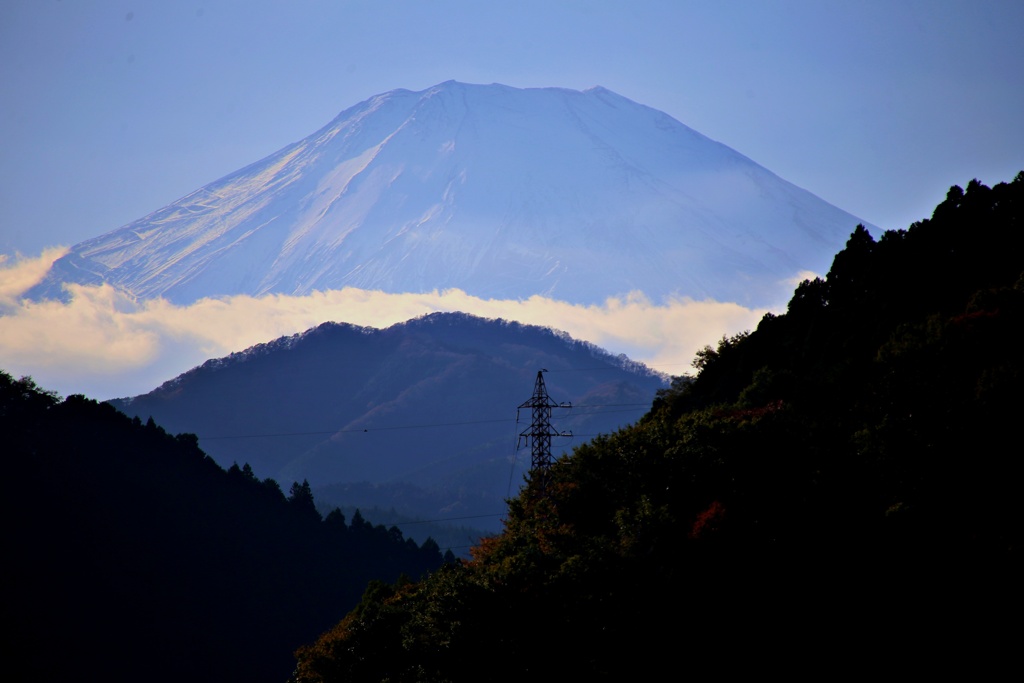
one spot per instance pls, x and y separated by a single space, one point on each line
445 519
429 425
356 429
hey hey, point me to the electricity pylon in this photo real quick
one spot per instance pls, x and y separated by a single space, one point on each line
540 431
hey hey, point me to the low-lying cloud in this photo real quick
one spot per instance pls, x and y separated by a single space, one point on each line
22 273
105 344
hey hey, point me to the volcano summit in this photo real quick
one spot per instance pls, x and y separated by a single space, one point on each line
498 191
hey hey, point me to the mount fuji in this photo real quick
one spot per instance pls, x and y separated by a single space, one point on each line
498 191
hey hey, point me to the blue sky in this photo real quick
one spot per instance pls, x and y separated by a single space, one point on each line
111 109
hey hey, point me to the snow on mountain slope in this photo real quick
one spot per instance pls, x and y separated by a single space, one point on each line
501 192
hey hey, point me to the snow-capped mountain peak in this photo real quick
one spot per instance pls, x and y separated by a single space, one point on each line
499 191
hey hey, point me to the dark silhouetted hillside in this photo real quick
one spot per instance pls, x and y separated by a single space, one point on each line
838 489
131 556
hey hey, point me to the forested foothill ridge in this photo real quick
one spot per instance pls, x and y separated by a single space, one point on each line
414 417
131 556
840 488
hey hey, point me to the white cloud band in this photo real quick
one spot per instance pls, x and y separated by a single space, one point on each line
103 343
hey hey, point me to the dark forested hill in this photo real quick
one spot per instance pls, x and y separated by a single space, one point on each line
129 555
839 488
418 417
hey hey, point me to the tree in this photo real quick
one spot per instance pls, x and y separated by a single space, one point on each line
359 524
300 498
336 520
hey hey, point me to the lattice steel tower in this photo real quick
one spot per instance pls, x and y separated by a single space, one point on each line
540 431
